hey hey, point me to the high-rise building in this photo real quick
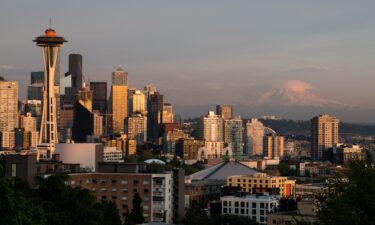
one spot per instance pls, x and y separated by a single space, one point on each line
225 111
50 43
212 127
137 102
65 82
75 69
119 100
324 135
8 105
171 139
136 128
254 137
120 77
97 123
28 122
83 117
273 146
233 135
168 116
99 96
37 77
155 116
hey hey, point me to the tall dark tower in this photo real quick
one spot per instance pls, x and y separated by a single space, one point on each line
50 44
155 116
75 69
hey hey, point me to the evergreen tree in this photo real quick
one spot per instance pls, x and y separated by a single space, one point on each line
136 214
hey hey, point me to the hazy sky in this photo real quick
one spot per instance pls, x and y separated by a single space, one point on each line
199 52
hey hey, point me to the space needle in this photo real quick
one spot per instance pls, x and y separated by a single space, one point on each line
48 138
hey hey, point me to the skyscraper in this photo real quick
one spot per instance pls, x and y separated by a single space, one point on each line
137 102
212 127
254 137
28 122
83 117
273 146
233 135
99 96
136 128
119 100
37 77
154 116
168 116
50 43
75 69
225 111
324 134
9 105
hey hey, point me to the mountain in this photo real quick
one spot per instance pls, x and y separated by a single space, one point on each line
296 93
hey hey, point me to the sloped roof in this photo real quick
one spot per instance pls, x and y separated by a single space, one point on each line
221 171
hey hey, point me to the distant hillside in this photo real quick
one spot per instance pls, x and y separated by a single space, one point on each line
289 127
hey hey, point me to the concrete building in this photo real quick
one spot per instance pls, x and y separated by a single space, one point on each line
168 116
233 135
212 127
191 148
28 122
256 207
137 102
224 111
112 154
97 123
117 183
88 155
261 182
254 137
213 150
324 135
171 140
35 91
136 128
273 146
343 154
8 105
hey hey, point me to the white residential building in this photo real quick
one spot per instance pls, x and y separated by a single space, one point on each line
254 206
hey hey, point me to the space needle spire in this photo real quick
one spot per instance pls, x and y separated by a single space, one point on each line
48 138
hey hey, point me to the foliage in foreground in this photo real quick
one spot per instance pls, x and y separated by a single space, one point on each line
349 200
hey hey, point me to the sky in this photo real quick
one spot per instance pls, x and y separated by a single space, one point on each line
203 51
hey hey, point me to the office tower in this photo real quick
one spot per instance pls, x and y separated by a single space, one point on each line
150 89
37 77
83 117
9 105
137 102
75 69
66 122
97 123
191 148
273 146
50 43
119 100
225 111
212 129
324 135
155 116
19 139
120 77
35 92
168 116
28 122
99 96
254 137
233 135
136 128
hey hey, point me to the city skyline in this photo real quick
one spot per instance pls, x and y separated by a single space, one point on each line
248 48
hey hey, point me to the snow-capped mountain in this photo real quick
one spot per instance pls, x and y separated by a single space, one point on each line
296 93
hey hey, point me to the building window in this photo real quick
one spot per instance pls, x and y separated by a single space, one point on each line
114 181
242 211
242 204
254 211
262 205
235 204
236 210
135 182
254 205
114 197
225 210
145 190
124 182
145 182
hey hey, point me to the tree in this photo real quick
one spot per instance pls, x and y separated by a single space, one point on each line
110 214
349 200
196 216
233 220
15 207
136 214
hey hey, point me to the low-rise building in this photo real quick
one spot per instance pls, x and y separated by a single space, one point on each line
305 214
261 182
255 206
